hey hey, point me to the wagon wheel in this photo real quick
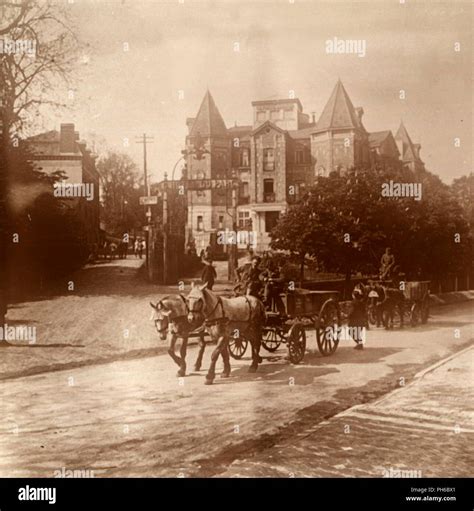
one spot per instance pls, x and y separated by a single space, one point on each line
238 347
296 343
425 308
271 340
327 327
415 314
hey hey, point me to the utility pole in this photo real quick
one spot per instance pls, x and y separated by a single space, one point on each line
144 139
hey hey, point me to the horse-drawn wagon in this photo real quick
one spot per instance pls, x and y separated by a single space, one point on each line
305 310
411 298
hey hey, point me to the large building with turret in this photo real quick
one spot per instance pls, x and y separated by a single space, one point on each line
276 158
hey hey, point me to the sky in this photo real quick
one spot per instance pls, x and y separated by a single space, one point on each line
146 66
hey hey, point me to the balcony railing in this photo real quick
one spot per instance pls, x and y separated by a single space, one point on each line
269 197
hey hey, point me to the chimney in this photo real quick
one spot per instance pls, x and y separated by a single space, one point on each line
313 117
67 139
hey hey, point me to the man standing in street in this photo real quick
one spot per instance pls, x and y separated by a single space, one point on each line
208 275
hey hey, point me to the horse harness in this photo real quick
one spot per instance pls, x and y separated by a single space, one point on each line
222 319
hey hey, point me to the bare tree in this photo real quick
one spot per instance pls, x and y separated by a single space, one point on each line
40 50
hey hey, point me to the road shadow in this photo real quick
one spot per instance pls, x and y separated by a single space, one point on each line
275 368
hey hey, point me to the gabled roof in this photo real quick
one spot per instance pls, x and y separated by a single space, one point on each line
47 136
268 124
240 130
303 132
339 111
377 138
208 121
408 150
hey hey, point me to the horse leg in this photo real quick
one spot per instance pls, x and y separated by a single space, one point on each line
226 359
171 347
182 352
202 347
211 374
256 341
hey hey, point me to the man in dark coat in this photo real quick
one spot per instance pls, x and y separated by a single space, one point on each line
208 274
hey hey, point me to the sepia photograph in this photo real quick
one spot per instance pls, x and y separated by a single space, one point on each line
236 242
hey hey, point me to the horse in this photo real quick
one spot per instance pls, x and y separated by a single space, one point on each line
171 322
225 317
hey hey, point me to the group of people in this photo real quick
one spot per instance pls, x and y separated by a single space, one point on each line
263 280
139 247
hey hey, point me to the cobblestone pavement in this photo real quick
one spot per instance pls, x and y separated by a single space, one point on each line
104 317
423 430
134 417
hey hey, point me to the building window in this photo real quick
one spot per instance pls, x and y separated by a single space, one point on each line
200 223
299 156
244 221
261 116
288 114
221 221
268 191
269 159
244 158
244 190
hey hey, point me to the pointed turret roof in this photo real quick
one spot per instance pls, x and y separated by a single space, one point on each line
408 150
208 121
339 111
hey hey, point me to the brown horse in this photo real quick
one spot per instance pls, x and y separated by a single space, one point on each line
171 322
225 317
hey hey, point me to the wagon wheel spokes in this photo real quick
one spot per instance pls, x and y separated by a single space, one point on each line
296 343
328 327
238 347
271 341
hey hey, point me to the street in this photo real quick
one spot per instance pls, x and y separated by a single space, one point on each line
136 418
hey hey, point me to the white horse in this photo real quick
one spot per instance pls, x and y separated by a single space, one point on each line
224 317
171 322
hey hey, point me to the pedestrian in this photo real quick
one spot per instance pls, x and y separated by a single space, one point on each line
136 247
357 319
142 248
208 275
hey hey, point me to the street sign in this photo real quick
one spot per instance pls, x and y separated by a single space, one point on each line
149 201
202 184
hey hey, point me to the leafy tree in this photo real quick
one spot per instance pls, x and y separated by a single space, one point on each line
43 236
345 222
121 189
